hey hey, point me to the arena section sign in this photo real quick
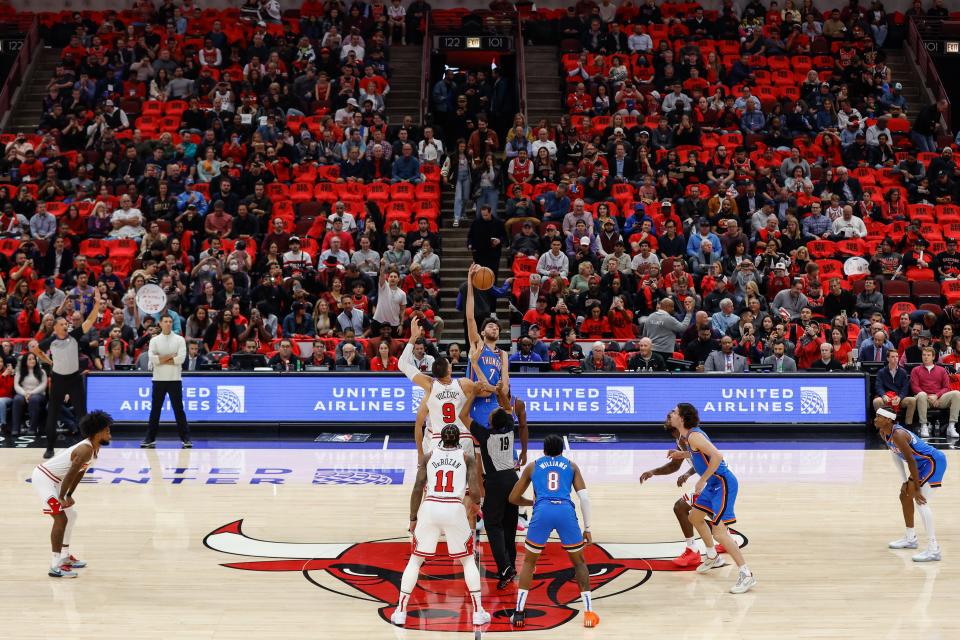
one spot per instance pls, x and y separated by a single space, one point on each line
559 398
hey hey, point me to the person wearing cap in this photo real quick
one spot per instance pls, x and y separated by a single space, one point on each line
295 259
894 98
930 384
51 299
701 233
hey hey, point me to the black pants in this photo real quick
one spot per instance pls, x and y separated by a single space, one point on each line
60 387
500 518
161 389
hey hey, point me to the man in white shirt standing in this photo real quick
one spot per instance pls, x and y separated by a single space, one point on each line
391 299
167 352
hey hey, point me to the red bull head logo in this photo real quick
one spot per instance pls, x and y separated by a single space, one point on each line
371 571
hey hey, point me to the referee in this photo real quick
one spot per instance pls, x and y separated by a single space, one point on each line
167 352
500 475
66 379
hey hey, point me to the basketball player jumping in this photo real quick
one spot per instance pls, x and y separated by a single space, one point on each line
444 396
553 476
681 508
55 481
445 477
925 468
716 493
486 368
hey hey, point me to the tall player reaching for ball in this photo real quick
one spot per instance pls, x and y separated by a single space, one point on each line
444 478
716 492
681 508
55 481
486 368
444 397
553 476
925 468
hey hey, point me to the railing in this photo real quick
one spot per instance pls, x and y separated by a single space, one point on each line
425 69
928 70
19 69
521 70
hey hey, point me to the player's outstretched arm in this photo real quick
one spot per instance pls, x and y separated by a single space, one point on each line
472 333
406 364
418 430
416 494
516 495
79 457
902 440
664 470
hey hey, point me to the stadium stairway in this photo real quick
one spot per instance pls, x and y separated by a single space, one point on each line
905 72
405 74
28 109
544 98
454 263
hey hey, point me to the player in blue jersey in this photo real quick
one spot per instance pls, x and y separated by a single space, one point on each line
925 468
716 492
486 368
553 476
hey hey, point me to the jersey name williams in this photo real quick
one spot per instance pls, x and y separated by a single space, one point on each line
553 463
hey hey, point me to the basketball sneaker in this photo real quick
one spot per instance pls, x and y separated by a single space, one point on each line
48 454
711 563
904 543
60 572
924 431
519 619
187 444
480 617
148 445
74 563
744 583
590 619
689 558
952 431
930 554
398 617
506 578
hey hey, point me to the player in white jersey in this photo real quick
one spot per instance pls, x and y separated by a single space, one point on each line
444 397
55 481
437 508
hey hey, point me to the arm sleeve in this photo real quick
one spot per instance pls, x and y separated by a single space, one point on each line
405 362
585 508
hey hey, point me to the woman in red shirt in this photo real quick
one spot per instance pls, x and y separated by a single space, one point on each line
621 321
384 361
596 326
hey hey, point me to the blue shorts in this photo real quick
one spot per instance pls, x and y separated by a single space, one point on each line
718 498
554 515
482 408
932 471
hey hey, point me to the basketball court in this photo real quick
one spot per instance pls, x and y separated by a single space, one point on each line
248 541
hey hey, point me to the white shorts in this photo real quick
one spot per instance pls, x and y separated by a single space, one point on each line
48 491
446 518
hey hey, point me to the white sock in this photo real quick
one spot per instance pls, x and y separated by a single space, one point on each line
64 552
926 514
471 575
745 570
587 600
711 552
408 581
911 533
691 544
55 559
521 599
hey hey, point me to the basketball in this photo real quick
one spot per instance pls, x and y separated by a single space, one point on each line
483 278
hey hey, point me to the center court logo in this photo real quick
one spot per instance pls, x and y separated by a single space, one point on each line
814 400
231 399
619 400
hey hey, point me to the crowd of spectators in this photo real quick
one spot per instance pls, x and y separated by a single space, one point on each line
240 159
